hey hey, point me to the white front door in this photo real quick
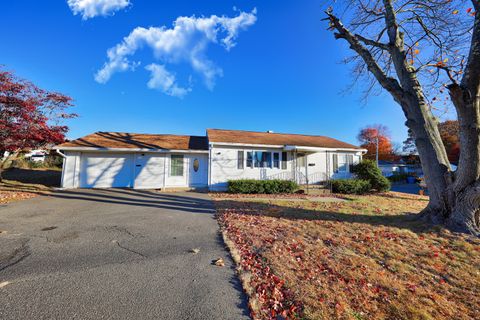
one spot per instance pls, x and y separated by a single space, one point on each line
177 170
198 170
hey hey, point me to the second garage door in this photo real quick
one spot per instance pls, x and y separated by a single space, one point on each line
106 171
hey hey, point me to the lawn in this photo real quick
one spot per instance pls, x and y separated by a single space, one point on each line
361 257
19 184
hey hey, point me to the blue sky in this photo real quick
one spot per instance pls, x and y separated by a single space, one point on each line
284 73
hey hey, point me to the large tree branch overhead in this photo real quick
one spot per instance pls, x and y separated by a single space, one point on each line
389 83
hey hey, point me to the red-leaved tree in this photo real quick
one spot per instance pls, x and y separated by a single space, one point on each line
450 134
368 139
30 117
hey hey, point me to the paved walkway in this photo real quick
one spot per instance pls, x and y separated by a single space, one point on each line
115 254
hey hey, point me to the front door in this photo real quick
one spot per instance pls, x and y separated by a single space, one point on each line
198 170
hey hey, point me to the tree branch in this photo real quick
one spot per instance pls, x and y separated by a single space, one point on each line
471 78
388 83
370 42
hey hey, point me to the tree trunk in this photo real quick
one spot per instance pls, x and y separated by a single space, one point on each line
454 197
433 157
464 193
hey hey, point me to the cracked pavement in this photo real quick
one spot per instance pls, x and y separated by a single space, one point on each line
115 254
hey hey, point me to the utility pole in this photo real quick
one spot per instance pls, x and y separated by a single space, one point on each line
376 154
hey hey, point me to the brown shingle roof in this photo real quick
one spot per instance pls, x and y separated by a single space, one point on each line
138 141
251 137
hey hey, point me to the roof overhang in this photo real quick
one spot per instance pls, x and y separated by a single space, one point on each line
144 150
321 149
231 144
287 147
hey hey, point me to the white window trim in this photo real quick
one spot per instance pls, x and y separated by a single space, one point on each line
245 158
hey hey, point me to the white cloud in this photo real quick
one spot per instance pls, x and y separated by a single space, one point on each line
165 81
186 42
92 8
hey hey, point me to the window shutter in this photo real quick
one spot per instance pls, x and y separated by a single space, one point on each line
240 160
335 163
284 160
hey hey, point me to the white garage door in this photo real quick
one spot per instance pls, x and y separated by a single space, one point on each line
99 170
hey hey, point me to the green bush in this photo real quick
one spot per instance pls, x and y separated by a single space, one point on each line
351 186
250 186
398 177
368 170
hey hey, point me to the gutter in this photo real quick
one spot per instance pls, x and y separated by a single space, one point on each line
60 153
143 150
318 149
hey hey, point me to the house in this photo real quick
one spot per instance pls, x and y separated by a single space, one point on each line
159 161
37 155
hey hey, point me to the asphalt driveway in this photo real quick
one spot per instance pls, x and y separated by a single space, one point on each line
115 254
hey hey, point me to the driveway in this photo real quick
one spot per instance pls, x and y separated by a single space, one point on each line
115 254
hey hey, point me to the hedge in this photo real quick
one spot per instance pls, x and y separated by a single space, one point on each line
398 177
261 186
351 186
368 170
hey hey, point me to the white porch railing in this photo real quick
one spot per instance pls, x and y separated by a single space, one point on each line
300 177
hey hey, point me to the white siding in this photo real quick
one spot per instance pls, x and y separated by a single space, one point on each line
319 167
149 171
223 164
70 169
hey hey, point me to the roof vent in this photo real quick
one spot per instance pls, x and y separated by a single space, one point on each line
269 131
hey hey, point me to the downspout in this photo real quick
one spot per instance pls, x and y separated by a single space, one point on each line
60 153
209 166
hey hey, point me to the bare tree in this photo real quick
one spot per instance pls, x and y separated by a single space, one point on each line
423 53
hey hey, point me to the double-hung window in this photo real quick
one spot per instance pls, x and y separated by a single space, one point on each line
250 159
240 159
342 162
262 159
176 165
276 160
284 160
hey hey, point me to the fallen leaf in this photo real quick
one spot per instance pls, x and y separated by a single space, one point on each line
219 262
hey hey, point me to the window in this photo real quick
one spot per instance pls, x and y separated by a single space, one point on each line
276 160
284 160
335 163
301 160
250 159
240 160
176 165
350 162
196 165
262 159
342 164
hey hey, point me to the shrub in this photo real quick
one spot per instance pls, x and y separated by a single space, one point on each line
398 177
261 186
368 170
351 186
